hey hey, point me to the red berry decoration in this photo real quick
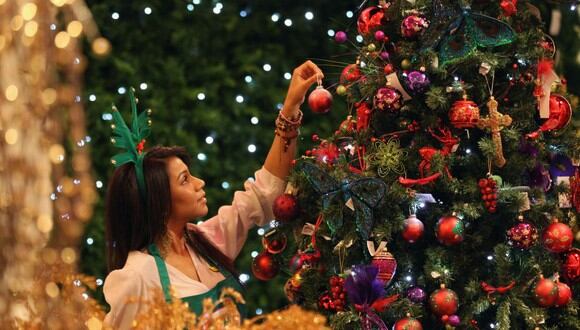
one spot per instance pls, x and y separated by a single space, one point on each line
336 300
449 230
443 301
285 208
571 266
408 323
320 100
523 235
265 266
413 229
488 188
464 113
546 292
557 237
564 294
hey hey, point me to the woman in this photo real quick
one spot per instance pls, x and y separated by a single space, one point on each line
151 203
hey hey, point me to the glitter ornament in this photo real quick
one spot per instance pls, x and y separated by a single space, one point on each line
571 266
265 266
464 113
413 229
388 99
285 208
416 294
413 26
320 100
449 230
408 323
523 235
557 237
416 82
443 301
546 292
384 261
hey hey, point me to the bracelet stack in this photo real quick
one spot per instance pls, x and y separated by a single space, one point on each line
288 128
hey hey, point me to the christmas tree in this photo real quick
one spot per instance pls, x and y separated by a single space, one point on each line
449 196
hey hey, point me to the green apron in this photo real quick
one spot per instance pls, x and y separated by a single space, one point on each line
195 303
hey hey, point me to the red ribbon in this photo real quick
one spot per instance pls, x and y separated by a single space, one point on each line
423 181
489 289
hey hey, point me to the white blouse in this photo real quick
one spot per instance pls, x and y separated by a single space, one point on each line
227 230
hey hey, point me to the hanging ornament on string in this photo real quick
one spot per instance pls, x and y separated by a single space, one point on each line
449 230
523 235
412 229
320 100
559 116
489 192
464 113
557 237
383 260
335 299
408 323
274 241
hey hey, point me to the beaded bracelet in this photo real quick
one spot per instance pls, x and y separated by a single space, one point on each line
288 129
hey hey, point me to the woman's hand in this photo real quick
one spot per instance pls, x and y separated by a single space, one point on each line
302 78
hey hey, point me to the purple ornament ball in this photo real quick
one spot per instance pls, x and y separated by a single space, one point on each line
416 294
340 37
454 320
417 82
384 55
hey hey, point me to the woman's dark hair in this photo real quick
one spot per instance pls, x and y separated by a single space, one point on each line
133 223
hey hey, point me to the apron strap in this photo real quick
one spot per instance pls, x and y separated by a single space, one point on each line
162 269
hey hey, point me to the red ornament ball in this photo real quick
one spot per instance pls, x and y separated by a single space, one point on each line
413 26
275 243
285 208
546 292
320 100
413 229
350 74
558 237
523 235
564 294
370 20
443 301
408 323
265 266
571 266
388 99
464 114
449 230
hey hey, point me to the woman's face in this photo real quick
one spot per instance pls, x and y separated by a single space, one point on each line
187 196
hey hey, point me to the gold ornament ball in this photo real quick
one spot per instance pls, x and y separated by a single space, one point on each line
341 90
371 47
406 64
